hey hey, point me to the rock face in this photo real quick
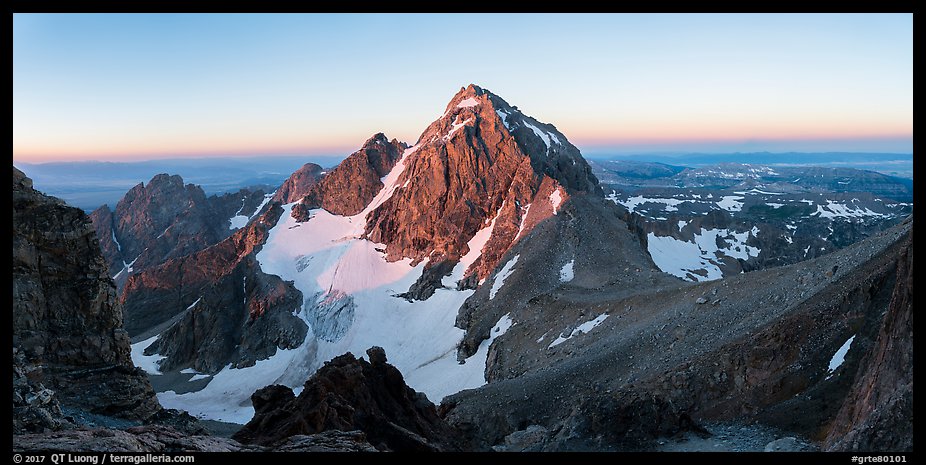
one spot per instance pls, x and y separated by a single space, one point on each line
66 316
165 219
877 415
35 408
347 189
156 438
348 394
152 438
299 183
483 160
215 306
760 348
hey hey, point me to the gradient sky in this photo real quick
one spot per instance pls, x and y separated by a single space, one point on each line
142 86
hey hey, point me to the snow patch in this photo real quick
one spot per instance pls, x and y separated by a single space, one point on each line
693 260
566 273
118 245
504 116
475 244
839 356
456 126
775 205
239 221
756 191
468 103
556 198
731 203
633 202
149 363
502 275
527 210
540 133
838 210
581 329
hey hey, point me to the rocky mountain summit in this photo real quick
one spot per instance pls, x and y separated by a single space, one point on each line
298 184
482 161
349 187
167 219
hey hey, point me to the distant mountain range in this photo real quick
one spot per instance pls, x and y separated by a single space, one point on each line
893 164
90 184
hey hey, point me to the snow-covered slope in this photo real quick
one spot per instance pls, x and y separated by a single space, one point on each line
351 303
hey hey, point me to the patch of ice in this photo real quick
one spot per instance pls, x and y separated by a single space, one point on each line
502 275
581 329
566 273
199 376
775 205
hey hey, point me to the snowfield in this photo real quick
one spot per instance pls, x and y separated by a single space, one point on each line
680 258
333 267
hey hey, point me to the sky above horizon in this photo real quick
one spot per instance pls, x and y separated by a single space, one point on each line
147 86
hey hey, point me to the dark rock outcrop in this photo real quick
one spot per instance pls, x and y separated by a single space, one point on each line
67 319
165 219
155 438
216 306
299 183
877 415
351 394
152 438
35 408
350 187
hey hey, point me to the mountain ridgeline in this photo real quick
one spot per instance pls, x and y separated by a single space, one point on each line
536 306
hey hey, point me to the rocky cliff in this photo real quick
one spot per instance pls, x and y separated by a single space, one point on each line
783 347
348 188
67 319
482 162
216 307
165 219
352 394
298 184
877 415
